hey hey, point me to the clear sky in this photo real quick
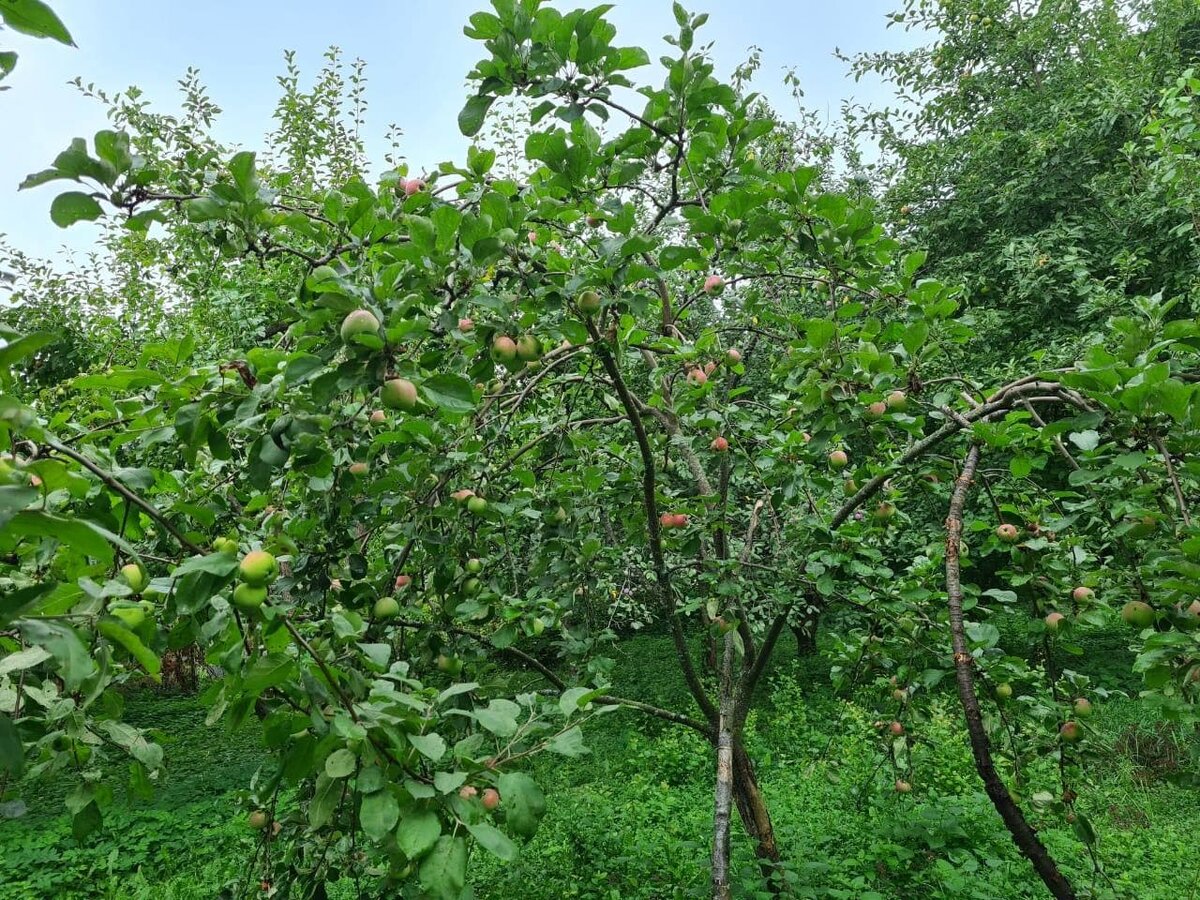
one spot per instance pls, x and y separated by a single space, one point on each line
417 60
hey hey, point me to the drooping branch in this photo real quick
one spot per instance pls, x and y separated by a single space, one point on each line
661 573
1022 832
144 505
1002 400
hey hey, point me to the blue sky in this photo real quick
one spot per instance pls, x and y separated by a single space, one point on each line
417 60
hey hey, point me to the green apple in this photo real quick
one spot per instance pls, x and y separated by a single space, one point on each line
589 303
386 608
399 393
135 577
225 545
257 568
361 321
249 597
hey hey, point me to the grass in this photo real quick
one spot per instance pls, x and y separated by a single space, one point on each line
632 818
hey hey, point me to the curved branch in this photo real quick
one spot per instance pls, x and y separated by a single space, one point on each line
662 576
148 508
1022 832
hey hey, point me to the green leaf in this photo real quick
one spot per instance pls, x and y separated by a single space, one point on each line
629 58
119 634
241 167
449 392
341 763
74 662
569 702
494 841
443 872
820 332
74 206
267 672
86 821
568 743
470 120
80 534
524 802
12 753
499 717
24 659
418 832
35 18
8 62
113 148
430 745
132 740
378 812
1085 440
14 603
914 337
447 782
326 795
27 345
219 564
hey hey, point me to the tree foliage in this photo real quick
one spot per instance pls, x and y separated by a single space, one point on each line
401 453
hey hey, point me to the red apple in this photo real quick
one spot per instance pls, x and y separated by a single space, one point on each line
1070 732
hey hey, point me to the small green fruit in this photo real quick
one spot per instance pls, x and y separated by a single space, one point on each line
589 303
249 597
135 577
472 586
838 459
529 348
897 401
386 608
1082 707
474 566
504 349
1004 691
1054 621
257 820
1138 614
225 545
399 393
477 505
361 321
1007 533
257 568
